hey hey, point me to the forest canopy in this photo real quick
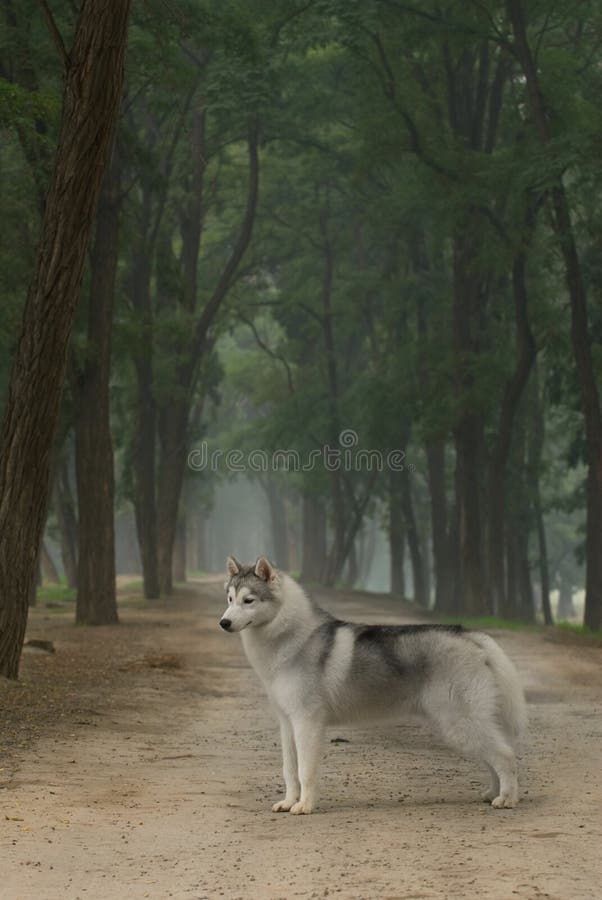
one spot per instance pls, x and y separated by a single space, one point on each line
370 227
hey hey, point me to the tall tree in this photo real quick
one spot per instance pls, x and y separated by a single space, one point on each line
580 336
94 71
96 602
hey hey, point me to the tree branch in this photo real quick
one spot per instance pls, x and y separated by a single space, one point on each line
271 353
244 237
55 34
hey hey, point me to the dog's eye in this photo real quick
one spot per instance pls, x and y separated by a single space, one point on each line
249 599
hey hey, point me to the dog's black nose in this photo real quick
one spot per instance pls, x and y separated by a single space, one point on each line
225 623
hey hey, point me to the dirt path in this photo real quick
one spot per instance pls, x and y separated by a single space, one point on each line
165 789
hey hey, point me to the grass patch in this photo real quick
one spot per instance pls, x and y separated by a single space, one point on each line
55 593
574 628
131 586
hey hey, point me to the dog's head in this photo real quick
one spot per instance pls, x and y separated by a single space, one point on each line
252 594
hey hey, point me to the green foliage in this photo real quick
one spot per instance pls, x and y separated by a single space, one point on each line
55 593
371 168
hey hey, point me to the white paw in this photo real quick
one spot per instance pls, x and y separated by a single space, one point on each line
503 802
302 808
282 805
488 796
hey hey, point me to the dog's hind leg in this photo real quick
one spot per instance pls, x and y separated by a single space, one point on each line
487 744
478 736
289 767
494 788
500 757
309 740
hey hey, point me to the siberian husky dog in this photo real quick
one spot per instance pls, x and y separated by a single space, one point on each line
318 671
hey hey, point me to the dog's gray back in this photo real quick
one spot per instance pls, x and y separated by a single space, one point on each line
372 671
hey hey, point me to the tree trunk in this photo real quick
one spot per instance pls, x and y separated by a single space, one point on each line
313 561
468 432
200 559
365 556
145 431
96 602
173 432
435 456
454 561
527 600
580 338
396 536
67 522
49 570
173 417
544 575
351 568
336 555
413 538
179 555
513 392
565 609
278 518
294 557
92 93
435 448
511 594
536 449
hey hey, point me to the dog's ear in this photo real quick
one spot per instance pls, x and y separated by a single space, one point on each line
263 569
233 566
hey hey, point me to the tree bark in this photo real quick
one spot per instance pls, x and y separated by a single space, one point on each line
580 338
91 97
96 602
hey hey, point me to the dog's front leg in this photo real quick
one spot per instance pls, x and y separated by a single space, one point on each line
289 767
309 739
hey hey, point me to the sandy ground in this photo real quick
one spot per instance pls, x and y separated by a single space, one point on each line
158 783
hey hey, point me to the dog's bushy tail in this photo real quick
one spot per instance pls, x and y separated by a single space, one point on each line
513 709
